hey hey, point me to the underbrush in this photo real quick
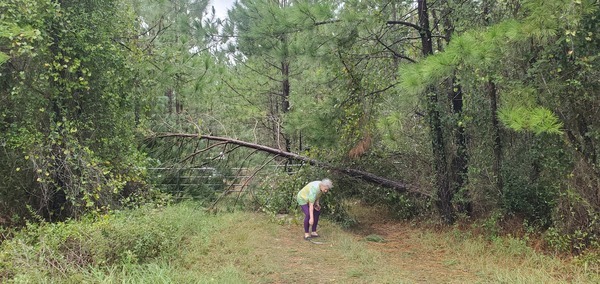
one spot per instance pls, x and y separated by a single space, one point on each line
582 247
106 245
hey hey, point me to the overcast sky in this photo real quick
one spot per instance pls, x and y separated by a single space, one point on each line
221 7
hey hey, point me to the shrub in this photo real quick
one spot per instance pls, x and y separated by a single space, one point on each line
576 226
276 194
523 197
61 249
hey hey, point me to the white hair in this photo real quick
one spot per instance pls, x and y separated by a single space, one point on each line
327 182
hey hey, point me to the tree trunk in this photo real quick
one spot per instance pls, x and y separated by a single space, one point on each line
54 204
459 166
365 176
444 202
169 95
285 97
457 176
496 132
424 31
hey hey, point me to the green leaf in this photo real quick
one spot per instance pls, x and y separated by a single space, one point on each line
3 58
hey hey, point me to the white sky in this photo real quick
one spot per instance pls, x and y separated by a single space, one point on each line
221 7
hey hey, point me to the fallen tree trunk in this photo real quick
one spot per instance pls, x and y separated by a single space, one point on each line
365 176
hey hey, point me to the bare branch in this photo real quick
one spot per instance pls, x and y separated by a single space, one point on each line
408 24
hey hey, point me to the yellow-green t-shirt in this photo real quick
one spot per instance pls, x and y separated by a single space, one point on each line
309 193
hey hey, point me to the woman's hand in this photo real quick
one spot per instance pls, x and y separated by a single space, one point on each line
311 221
317 206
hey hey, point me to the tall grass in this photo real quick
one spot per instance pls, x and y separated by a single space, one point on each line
124 245
184 244
506 259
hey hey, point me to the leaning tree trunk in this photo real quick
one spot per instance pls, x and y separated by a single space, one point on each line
365 176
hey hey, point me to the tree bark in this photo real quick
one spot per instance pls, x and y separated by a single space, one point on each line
459 166
424 30
444 193
444 202
285 97
497 164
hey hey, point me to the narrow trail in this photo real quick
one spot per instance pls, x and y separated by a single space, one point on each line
267 249
349 258
403 250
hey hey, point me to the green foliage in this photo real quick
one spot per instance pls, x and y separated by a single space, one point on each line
520 113
174 68
312 116
530 200
577 226
17 38
375 238
285 92
575 242
531 190
80 79
69 123
116 240
277 192
491 225
267 27
537 120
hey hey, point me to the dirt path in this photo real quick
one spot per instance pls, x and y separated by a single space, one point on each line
348 257
403 250
256 248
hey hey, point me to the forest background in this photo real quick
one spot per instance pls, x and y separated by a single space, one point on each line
486 111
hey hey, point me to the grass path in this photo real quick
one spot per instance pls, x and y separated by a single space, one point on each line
259 250
349 258
193 246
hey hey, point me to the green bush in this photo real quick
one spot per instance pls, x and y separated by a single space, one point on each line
532 200
129 237
276 192
576 226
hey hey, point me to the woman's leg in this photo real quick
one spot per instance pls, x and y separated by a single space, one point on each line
316 214
306 217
